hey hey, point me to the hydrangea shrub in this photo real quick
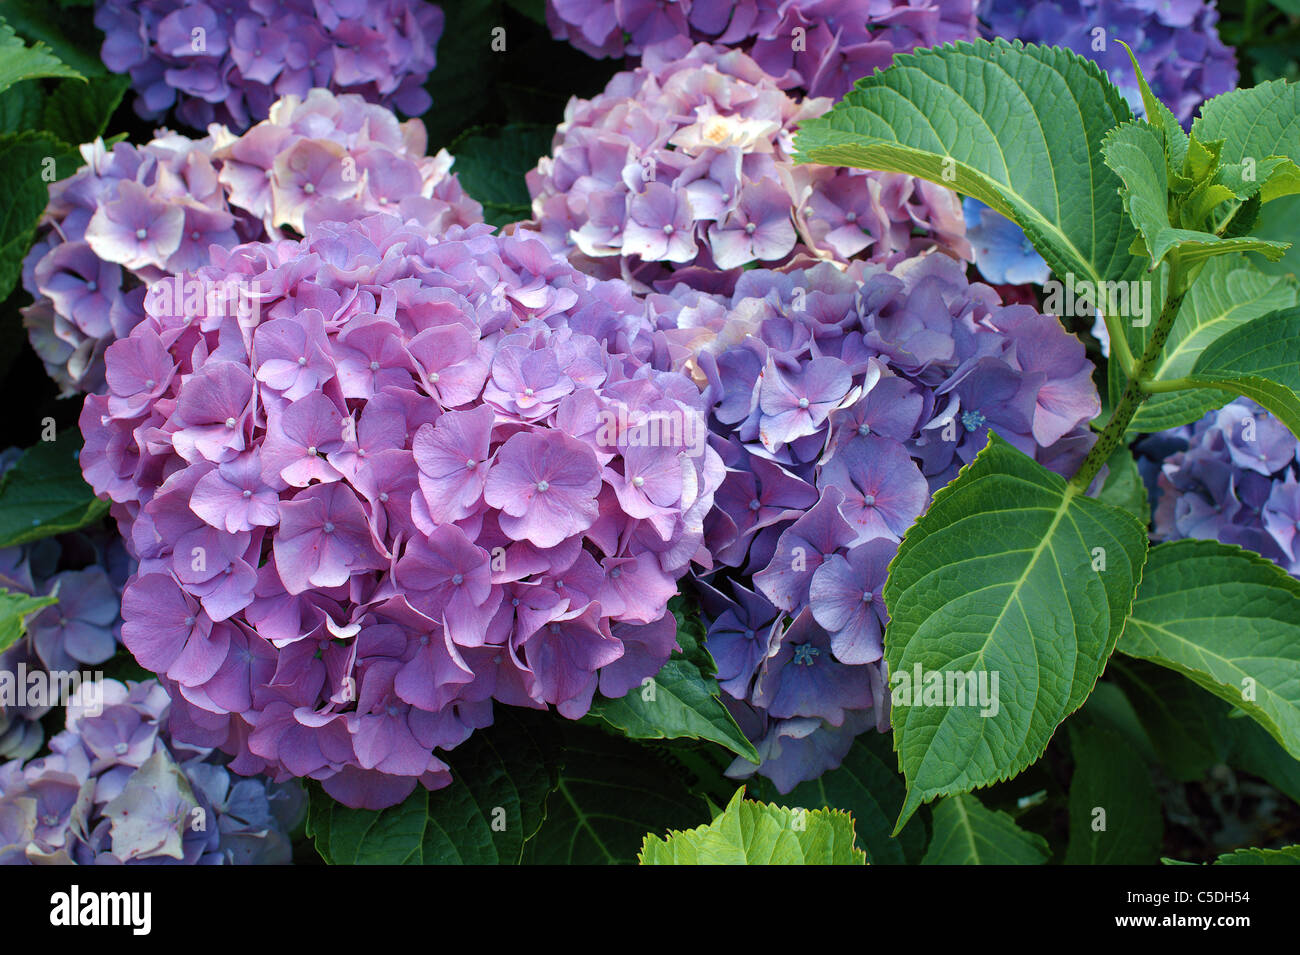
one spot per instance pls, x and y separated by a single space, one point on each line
513 546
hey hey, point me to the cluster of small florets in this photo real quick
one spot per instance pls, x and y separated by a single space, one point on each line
1231 477
680 173
1176 42
118 788
227 61
132 216
427 474
840 401
822 46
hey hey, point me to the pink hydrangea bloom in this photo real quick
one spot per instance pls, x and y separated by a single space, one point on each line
483 490
680 172
134 216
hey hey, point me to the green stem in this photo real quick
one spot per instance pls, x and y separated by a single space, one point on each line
1136 391
1162 386
1119 343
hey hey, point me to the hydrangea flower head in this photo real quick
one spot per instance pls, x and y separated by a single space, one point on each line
822 46
481 490
1232 476
680 173
229 62
135 216
840 401
119 788
1176 42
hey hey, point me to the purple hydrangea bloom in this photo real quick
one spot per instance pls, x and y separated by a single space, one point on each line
118 787
680 172
340 573
822 46
229 62
841 400
132 217
1232 476
1176 42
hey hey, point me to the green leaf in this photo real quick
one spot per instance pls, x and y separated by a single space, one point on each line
1123 487
1277 220
1187 728
491 164
610 794
680 702
74 40
21 62
1108 707
1257 124
997 580
1229 292
44 494
534 10
690 633
500 780
1162 117
753 833
1114 807
1254 751
20 107
77 113
1019 128
1287 855
22 165
1259 359
14 610
1136 152
867 786
968 833
1229 620
461 82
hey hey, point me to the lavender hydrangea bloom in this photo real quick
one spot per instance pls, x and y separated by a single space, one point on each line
841 400
680 173
340 574
822 46
132 217
1232 476
1176 42
118 787
229 62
